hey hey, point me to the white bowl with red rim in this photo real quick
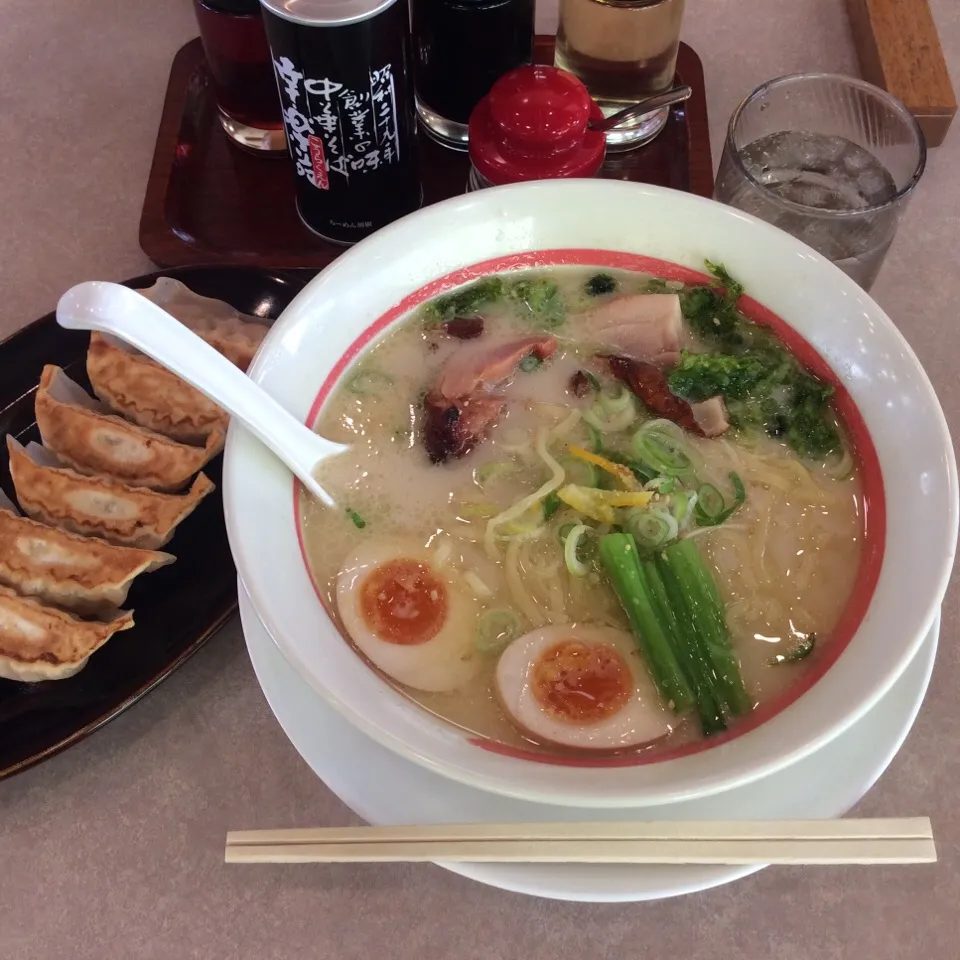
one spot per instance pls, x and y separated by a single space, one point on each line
884 396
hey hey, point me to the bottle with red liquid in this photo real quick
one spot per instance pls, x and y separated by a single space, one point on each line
238 57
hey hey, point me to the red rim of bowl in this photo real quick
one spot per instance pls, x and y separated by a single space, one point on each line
874 501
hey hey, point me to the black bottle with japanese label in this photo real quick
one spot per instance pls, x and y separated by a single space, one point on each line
343 75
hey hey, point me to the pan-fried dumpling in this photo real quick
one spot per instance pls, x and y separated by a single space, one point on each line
84 574
144 391
97 506
79 431
38 642
236 335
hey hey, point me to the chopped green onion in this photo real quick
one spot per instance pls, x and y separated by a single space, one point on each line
493 470
580 472
571 542
705 518
530 363
592 380
477 511
710 500
358 521
840 468
665 453
661 484
615 398
799 651
651 528
496 629
551 504
596 441
368 383
681 507
604 421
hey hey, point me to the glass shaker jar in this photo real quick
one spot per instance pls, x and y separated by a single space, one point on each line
533 125
624 51
460 48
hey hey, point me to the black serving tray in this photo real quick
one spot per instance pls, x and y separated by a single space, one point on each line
178 608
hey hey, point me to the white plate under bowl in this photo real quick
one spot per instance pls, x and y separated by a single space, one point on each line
383 788
602 223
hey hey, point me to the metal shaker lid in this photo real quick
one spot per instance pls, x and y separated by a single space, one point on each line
326 13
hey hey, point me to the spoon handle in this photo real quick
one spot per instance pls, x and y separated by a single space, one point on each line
648 105
123 313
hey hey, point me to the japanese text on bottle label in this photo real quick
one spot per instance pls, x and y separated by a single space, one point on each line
335 131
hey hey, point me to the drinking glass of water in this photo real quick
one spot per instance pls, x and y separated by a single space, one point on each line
829 159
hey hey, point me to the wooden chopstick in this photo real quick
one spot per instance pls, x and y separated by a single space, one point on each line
892 841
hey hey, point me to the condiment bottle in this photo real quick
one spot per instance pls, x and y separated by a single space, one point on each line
460 49
533 125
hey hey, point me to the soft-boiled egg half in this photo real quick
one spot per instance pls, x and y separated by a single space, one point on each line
581 686
410 617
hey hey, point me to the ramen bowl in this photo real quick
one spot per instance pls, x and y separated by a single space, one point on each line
906 458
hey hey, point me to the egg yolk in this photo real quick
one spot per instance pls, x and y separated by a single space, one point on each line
403 601
581 683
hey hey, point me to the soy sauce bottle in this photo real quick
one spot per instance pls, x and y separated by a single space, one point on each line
461 47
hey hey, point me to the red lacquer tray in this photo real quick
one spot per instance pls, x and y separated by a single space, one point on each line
210 202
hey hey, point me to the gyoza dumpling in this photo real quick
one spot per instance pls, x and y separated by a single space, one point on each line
38 642
97 506
84 574
144 391
236 335
80 432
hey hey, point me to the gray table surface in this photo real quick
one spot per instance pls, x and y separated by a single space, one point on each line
114 849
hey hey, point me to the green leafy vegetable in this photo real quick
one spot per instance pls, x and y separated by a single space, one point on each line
600 283
810 429
657 285
467 300
700 376
712 316
799 651
732 289
542 301
357 520
764 386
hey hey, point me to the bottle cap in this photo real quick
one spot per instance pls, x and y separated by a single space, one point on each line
532 125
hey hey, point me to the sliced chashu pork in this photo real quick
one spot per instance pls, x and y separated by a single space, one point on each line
645 326
462 407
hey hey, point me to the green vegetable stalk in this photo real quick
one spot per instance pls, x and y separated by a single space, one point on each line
697 603
618 555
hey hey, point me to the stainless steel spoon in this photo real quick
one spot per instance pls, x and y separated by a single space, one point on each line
642 108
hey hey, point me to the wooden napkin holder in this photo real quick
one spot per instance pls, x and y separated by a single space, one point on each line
899 50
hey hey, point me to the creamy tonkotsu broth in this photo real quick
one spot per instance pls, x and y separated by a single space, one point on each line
432 577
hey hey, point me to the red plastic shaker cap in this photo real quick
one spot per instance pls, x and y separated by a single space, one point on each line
532 125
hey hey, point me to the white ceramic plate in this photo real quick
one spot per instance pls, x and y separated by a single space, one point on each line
383 788
604 223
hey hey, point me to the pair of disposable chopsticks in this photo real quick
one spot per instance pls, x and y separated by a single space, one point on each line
889 841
